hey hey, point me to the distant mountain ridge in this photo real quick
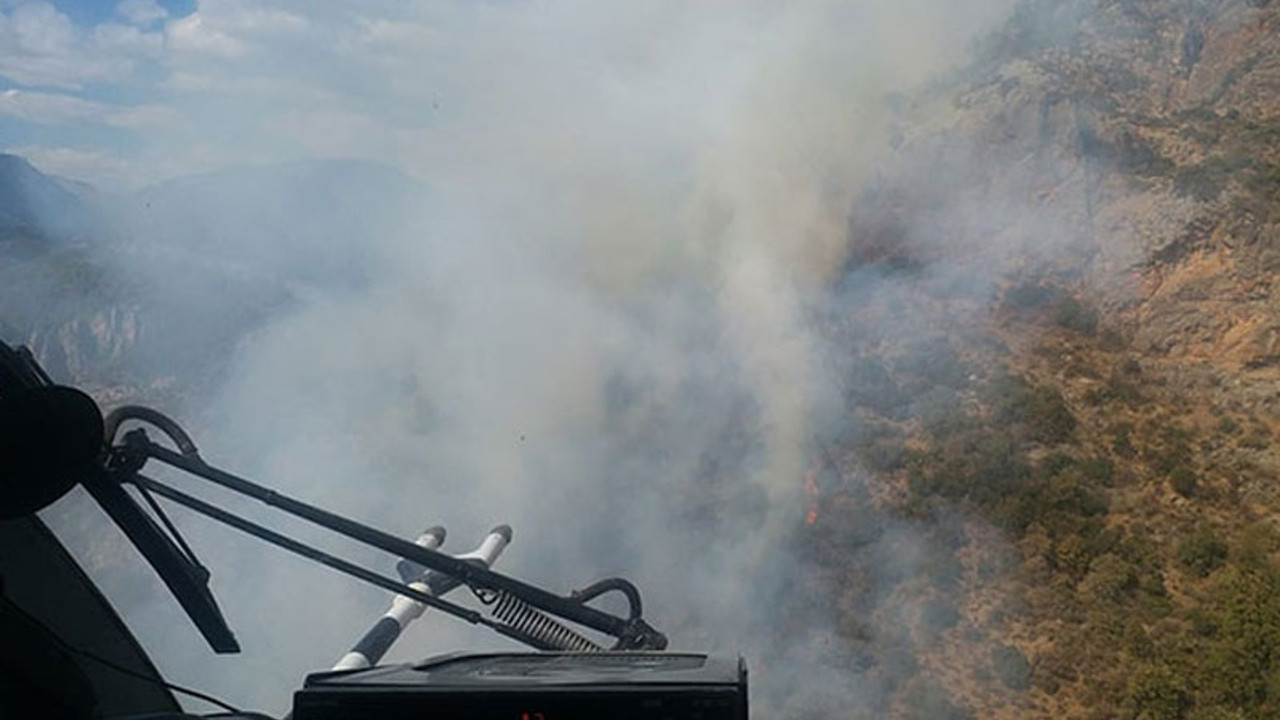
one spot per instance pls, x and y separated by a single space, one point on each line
34 205
311 221
143 287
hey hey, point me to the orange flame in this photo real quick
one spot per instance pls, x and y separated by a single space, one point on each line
811 492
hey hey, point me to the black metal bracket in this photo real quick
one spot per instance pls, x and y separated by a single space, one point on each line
128 458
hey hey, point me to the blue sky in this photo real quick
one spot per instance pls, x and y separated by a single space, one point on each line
79 81
92 12
32 129
135 91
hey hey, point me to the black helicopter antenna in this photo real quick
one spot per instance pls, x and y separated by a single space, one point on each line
53 437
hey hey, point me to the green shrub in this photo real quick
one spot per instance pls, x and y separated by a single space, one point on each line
927 700
1156 692
1057 302
869 384
931 362
1184 481
944 571
1256 440
1041 411
1243 657
1098 470
1138 156
1254 546
1171 452
1055 463
884 455
1074 315
1030 294
1216 712
1153 596
977 464
1119 387
936 617
1202 551
1137 642
1122 441
1203 182
1011 667
1071 555
1110 579
1203 623
937 407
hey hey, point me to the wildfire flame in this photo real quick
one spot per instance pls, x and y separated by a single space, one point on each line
811 492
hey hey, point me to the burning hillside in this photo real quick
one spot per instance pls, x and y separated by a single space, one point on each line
1080 438
937 375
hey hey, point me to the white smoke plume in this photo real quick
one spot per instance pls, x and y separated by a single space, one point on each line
594 325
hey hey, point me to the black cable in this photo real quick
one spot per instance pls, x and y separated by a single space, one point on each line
67 647
163 683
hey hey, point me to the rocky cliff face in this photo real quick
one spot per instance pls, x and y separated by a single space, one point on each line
80 346
1075 245
136 296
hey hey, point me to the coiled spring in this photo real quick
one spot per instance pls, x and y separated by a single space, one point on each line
533 622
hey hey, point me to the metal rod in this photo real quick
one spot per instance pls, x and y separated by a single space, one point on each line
187 581
466 572
404 610
336 563
371 646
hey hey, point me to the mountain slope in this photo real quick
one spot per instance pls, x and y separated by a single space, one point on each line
34 208
1076 406
151 289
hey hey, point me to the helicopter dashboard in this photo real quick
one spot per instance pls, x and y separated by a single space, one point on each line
534 686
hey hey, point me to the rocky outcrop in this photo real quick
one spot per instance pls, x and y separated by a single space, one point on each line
81 348
1085 227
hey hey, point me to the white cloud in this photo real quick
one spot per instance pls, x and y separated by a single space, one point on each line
125 41
102 169
344 133
255 21
390 42
57 109
195 34
232 29
423 82
141 12
41 46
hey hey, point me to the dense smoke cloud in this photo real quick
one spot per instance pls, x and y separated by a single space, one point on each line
595 324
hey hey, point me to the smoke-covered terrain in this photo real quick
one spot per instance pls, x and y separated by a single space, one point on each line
923 353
